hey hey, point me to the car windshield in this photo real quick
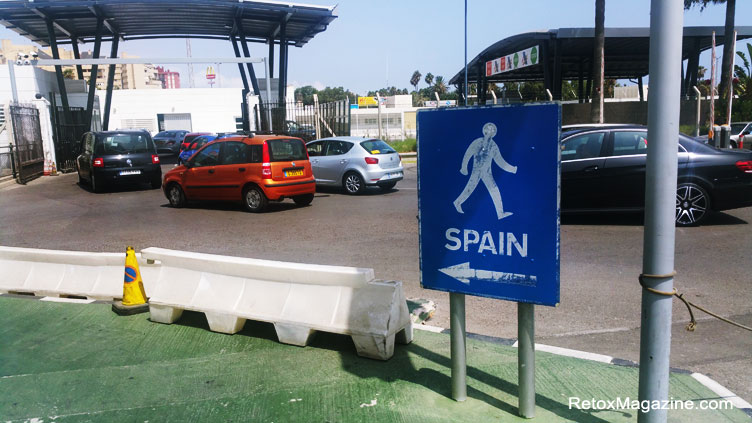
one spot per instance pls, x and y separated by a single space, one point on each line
123 144
377 147
737 128
163 134
286 150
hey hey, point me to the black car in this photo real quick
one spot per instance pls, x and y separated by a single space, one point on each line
294 129
118 157
603 168
169 141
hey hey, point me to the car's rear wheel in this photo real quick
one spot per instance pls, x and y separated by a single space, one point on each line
176 196
303 200
353 183
692 204
254 199
388 186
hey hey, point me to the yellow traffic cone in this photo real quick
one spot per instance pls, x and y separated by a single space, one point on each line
134 296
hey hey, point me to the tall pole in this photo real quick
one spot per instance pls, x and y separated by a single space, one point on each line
712 90
12 76
457 332
458 349
730 91
465 86
666 22
596 107
526 359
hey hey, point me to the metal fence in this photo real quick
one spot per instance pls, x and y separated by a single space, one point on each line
67 136
306 121
7 165
27 136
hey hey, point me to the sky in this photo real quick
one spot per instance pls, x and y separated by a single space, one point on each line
379 43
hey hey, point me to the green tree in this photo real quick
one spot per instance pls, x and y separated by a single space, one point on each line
415 80
429 79
728 53
69 74
743 87
439 85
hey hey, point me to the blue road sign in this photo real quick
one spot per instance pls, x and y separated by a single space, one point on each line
488 201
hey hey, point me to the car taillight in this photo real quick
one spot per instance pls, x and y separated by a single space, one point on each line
266 166
154 159
98 162
372 160
745 167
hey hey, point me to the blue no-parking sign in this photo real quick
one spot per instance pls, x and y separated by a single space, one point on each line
488 201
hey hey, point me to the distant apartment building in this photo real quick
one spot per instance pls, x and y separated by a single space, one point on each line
127 77
170 79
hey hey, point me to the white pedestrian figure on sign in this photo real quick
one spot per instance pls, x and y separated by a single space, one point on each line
484 153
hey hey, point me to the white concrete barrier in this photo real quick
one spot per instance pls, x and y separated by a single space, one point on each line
298 299
58 273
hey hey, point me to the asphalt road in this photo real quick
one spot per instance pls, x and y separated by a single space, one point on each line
601 257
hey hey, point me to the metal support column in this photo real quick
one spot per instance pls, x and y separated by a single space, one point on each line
246 53
666 26
93 75
546 61
581 82
271 56
458 349
241 69
526 359
557 71
245 112
641 89
282 63
59 73
110 83
77 55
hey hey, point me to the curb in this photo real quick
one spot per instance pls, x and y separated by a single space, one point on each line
717 388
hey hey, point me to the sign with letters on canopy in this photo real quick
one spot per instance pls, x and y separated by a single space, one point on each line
488 201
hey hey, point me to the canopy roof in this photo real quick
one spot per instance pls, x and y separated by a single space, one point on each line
259 21
626 52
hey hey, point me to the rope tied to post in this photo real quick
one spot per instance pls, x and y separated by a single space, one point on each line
675 293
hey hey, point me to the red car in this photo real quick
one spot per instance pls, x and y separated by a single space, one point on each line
253 170
189 138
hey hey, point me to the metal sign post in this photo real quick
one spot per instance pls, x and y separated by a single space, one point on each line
488 206
666 18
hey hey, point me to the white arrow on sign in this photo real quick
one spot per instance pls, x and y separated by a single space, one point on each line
463 273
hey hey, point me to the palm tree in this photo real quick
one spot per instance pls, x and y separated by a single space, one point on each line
600 38
429 79
415 80
439 85
728 51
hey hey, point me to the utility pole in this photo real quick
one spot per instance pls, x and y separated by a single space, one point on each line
190 65
657 279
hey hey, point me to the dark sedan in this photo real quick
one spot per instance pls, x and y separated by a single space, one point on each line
603 168
169 141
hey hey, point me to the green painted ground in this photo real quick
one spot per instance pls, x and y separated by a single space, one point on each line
72 362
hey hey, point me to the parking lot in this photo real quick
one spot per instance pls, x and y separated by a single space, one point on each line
601 257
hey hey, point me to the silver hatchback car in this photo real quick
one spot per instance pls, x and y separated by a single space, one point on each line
354 163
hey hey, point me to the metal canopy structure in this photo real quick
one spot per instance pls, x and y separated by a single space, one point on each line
566 54
147 19
275 23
